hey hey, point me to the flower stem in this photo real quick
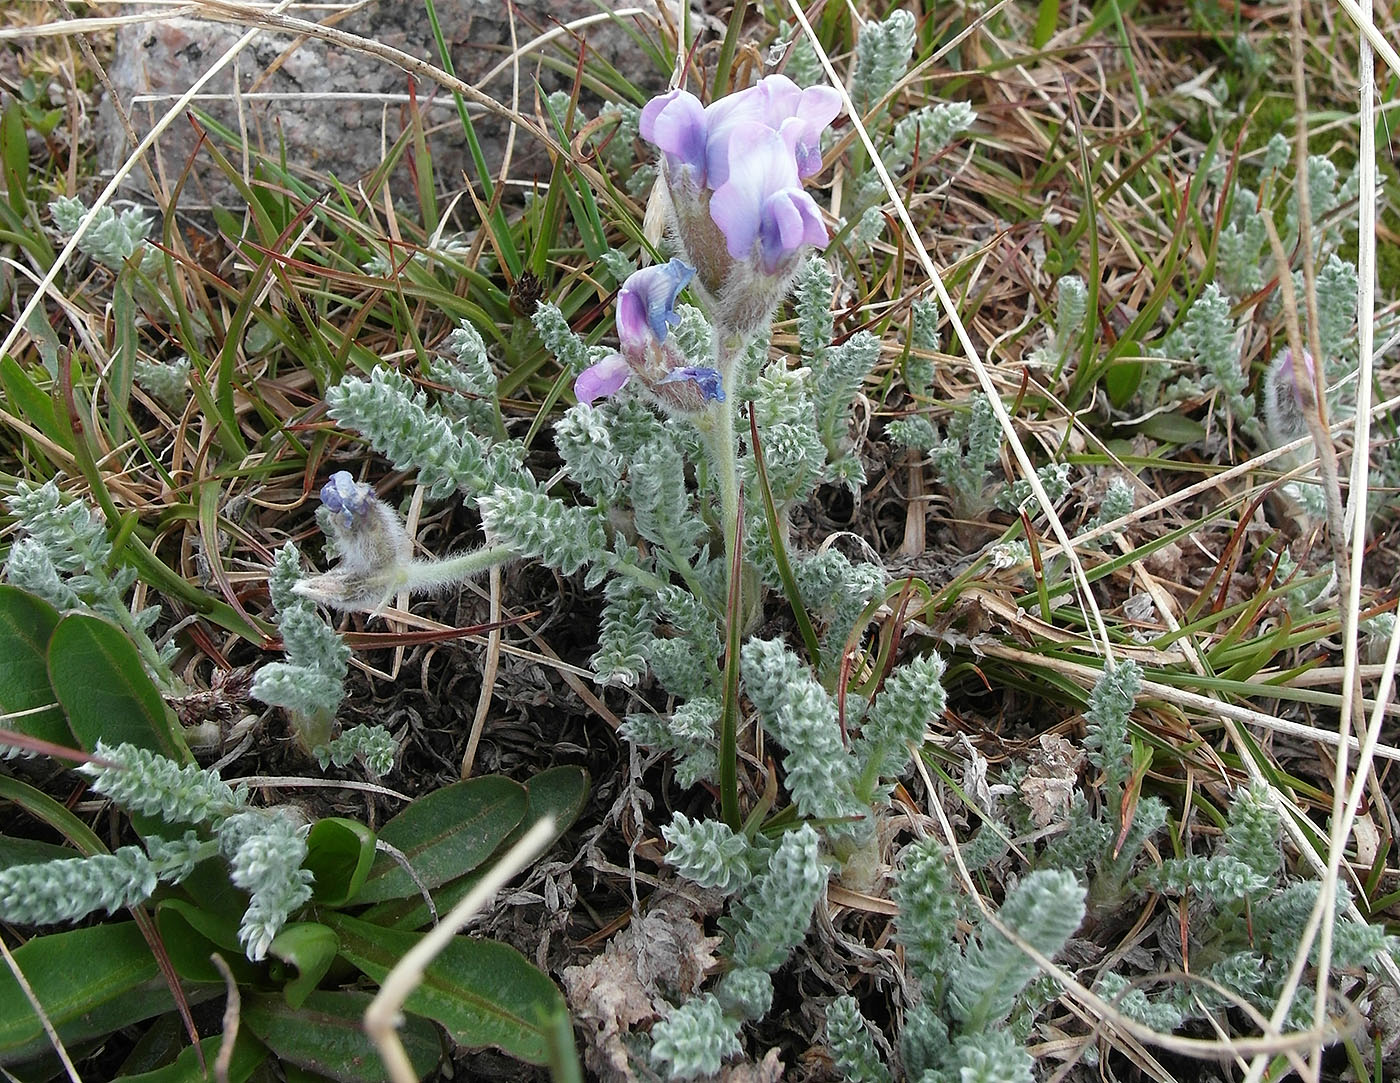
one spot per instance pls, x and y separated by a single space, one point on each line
719 443
421 575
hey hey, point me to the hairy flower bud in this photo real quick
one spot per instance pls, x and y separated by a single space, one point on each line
375 549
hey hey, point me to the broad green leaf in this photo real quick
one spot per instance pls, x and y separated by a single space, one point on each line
15 851
484 992
26 623
191 934
1121 380
559 792
326 1035
14 153
90 981
339 852
445 834
97 675
1173 428
308 949
248 1055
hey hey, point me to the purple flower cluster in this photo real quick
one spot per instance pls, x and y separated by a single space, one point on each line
646 312
733 172
737 167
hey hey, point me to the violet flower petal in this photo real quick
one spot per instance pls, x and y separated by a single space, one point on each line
763 201
675 123
646 304
345 497
789 220
778 103
602 380
817 108
708 380
722 119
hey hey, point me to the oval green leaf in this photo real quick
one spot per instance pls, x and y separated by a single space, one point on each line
326 1035
339 852
484 992
445 834
309 949
192 934
559 792
248 1055
26 623
1173 428
97 676
1121 380
117 984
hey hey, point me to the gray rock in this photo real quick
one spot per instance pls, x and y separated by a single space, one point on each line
325 109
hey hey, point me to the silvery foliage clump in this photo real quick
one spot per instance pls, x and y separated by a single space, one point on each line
1109 839
63 555
780 885
310 683
883 54
166 381
774 890
964 455
1247 918
112 239
1202 354
1247 914
264 849
647 508
972 1013
1071 308
1208 340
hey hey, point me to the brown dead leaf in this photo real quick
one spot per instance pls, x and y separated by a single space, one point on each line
1048 784
769 1071
663 955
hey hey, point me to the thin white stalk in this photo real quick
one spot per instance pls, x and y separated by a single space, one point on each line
384 1013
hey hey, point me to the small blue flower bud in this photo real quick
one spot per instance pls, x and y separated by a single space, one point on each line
345 497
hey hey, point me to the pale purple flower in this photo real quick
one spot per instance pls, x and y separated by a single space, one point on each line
346 498
763 202
675 124
733 172
646 304
646 312
698 138
603 379
776 102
